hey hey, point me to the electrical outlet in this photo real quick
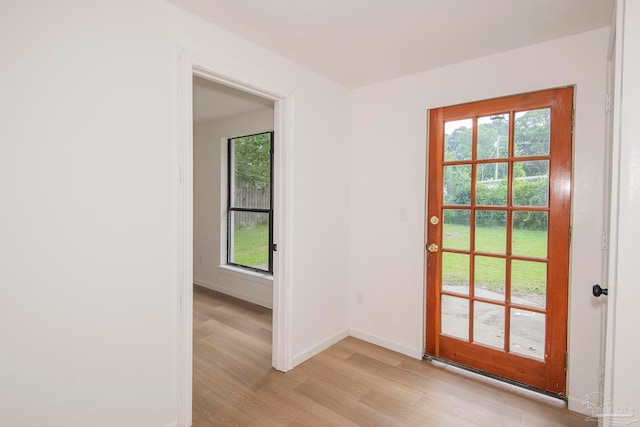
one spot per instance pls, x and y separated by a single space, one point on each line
360 298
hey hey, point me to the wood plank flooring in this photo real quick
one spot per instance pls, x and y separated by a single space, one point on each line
353 383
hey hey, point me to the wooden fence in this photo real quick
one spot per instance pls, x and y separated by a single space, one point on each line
248 197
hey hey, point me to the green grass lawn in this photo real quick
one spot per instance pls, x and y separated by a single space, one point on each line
526 277
251 248
251 245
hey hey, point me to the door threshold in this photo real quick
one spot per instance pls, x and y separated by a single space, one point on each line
475 371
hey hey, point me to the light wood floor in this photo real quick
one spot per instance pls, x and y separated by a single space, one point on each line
353 383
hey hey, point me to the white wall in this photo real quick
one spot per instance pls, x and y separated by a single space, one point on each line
388 169
207 198
88 224
624 288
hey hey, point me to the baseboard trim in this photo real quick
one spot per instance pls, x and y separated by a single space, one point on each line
172 424
236 294
576 404
318 348
382 342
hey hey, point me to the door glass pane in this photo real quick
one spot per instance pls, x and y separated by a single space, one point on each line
489 277
527 333
531 183
532 133
455 317
529 283
491 232
488 324
457 185
457 140
493 136
491 184
251 171
455 273
529 234
455 229
249 239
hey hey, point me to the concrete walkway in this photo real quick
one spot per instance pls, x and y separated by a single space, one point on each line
527 327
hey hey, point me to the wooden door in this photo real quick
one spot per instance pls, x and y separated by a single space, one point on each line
498 235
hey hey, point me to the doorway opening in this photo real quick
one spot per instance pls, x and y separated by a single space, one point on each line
233 192
280 97
232 241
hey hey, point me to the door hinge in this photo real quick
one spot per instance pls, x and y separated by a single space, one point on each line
275 247
600 375
607 103
570 234
573 120
566 360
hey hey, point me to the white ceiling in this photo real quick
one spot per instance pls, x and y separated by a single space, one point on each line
358 42
213 101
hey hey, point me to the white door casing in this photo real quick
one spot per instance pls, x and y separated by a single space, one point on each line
194 64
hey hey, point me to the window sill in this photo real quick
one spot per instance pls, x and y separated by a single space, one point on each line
265 279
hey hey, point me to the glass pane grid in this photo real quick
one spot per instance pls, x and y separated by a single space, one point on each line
516 178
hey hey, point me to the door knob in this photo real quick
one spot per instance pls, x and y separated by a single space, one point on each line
433 248
597 291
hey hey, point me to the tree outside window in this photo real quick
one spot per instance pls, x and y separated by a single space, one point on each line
250 199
